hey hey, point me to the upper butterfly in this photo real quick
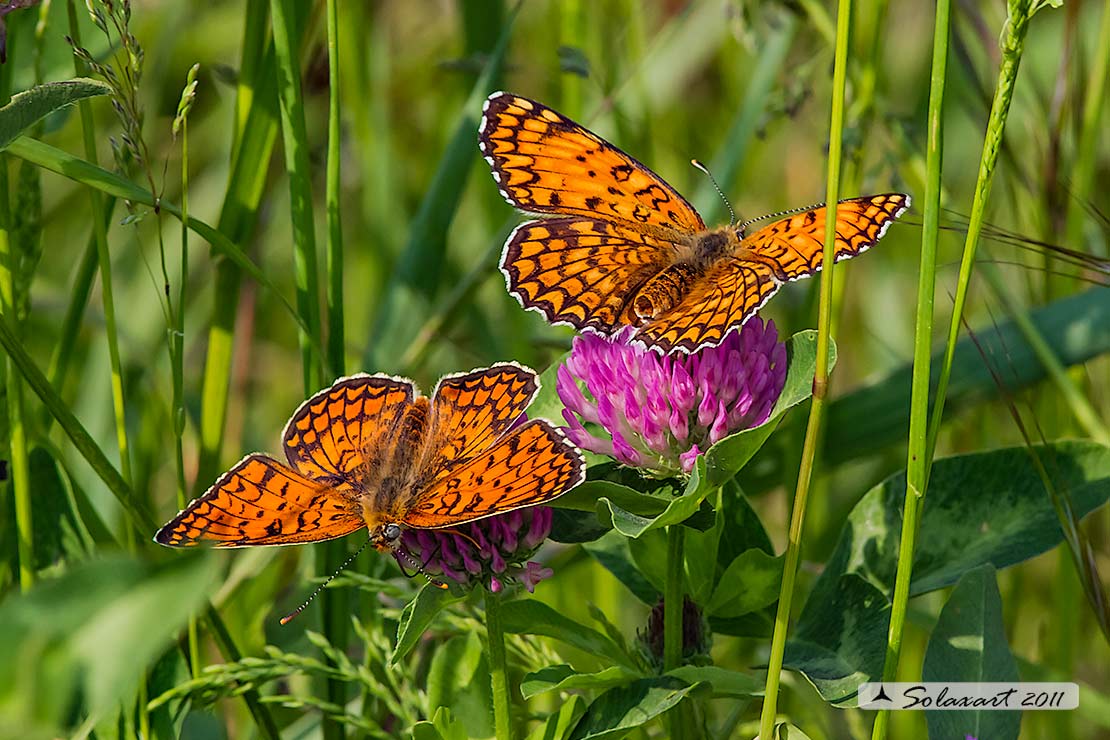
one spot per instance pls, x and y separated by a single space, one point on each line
370 452
627 250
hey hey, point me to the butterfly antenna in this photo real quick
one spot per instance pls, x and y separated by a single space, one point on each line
779 214
417 566
289 617
703 168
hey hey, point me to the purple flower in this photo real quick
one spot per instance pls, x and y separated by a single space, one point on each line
492 552
660 412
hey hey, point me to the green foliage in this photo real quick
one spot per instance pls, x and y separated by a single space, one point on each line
969 644
31 106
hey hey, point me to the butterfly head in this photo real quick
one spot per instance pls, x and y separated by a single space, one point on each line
385 536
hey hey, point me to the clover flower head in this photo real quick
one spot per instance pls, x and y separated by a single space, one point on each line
492 552
659 413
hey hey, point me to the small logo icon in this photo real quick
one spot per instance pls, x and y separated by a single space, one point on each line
881 696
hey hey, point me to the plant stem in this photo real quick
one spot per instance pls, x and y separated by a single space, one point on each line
498 667
917 462
1012 44
334 602
295 139
674 598
820 380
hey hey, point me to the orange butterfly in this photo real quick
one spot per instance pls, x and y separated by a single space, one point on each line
626 249
370 452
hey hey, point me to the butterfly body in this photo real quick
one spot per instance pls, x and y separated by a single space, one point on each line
371 452
620 247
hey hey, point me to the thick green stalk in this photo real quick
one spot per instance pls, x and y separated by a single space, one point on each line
334 602
917 462
17 433
674 598
295 139
1012 43
498 667
820 380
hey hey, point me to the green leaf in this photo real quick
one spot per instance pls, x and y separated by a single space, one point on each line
31 106
987 507
749 583
724 459
725 683
530 617
840 642
86 637
787 731
458 679
559 725
417 616
614 554
444 726
969 644
620 710
563 678
57 531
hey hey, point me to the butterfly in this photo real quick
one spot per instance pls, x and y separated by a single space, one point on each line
371 452
623 248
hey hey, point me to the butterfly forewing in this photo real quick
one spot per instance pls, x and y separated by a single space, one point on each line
262 502
331 435
580 271
546 163
796 244
530 465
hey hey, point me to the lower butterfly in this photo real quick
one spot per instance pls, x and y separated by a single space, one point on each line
371 452
623 248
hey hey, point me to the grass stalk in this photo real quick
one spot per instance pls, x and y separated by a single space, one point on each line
334 602
820 380
498 667
17 433
177 337
917 460
1012 46
295 139
1090 133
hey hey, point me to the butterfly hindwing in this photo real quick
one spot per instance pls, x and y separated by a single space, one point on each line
546 163
262 502
471 410
581 271
723 298
330 436
530 465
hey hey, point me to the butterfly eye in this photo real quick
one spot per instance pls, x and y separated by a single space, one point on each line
391 533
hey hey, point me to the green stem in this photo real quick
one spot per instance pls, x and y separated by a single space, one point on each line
820 380
1013 42
498 667
673 596
295 139
917 463
334 606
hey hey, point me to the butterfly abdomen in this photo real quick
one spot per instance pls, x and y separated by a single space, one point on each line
664 291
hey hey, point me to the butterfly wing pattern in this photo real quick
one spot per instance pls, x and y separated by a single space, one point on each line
353 462
262 502
619 237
